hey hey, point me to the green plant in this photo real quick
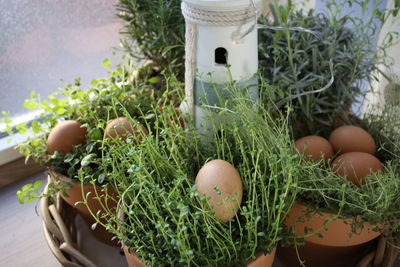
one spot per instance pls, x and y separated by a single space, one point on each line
377 202
167 223
93 108
155 30
383 122
321 63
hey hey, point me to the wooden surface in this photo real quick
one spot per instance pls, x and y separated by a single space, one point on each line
22 243
17 170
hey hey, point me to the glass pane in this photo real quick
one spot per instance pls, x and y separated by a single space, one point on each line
44 41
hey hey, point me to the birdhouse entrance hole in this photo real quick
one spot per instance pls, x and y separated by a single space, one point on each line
221 56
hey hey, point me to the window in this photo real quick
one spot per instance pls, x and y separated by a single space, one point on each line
45 41
221 56
42 42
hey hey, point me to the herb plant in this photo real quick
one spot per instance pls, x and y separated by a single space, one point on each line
155 30
377 202
167 223
93 108
321 63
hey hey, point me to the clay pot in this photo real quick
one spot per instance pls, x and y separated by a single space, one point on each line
315 255
261 261
336 247
132 259
74 195
337 232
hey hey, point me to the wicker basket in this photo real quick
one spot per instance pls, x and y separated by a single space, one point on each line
62 236
384 254
62 228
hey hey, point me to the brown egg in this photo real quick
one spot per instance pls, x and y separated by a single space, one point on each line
315 147
64 136
220 181
350 138
119 127
356 165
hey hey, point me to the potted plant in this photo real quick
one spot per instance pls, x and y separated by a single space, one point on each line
322 62
68 134
322 74
337 212
170 211
163 42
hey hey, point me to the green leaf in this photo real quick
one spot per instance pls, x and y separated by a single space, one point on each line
95 134
26 187
20 196
101 178
150 116
106 63
37 184
88 159
61 111
30 105
68 158
154 80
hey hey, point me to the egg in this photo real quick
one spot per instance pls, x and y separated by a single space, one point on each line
121 126
315 147
350 138
356 165
64 136
221 183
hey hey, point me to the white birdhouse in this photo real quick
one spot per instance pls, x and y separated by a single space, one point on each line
221 47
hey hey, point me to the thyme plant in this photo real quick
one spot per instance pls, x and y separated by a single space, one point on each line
378 201
167 223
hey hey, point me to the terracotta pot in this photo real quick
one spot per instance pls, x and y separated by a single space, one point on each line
74 193
315 255
338 232
134 261
261 261
338 246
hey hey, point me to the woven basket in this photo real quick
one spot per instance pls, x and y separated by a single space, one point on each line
60 231
384 254
62 234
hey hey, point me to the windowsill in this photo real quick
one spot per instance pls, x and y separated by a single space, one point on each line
13 167
7 143
7 151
